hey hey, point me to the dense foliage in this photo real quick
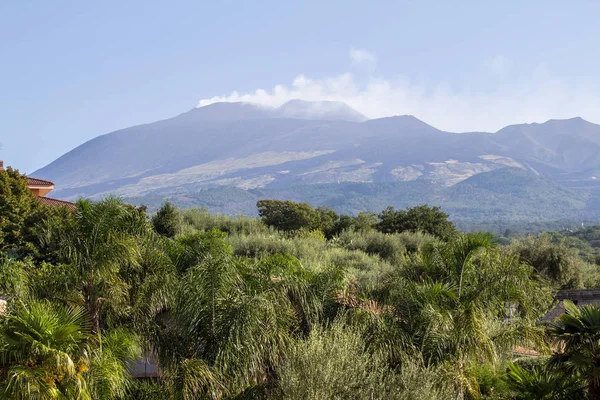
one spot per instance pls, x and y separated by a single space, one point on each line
508 195
166 220
303 304
289 216
22 217
421 218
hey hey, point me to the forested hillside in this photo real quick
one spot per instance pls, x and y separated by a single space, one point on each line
299 303
509 194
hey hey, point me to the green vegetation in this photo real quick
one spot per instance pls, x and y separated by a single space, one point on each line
303 303
557 261
22 217
420 218
166 220
580 356
587 241
508 195
288 216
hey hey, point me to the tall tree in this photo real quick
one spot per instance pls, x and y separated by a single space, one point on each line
102 239
288 215
578 332
167 220
22 216
221 336
452 306
16 205
232 319
421 218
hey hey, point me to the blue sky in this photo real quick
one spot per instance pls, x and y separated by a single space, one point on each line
73 70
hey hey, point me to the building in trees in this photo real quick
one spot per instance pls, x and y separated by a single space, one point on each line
579 297
40 188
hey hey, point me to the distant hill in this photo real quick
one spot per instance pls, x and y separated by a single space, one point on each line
326 152
508 194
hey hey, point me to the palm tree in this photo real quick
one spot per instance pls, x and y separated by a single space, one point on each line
108 376
453 310
232 320
47 352
456 257
578 333
152 284
43 353
220 337
102 239
541 383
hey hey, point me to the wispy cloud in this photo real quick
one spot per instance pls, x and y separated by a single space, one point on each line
532 97
499 64
361 56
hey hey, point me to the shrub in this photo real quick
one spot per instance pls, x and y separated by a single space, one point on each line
491 380
311 234
191 250
334 364
287 215
368 270
148 390
422 218
389 247
167 221
556 262
307 249
200 219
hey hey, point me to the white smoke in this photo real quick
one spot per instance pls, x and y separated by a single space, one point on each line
533 97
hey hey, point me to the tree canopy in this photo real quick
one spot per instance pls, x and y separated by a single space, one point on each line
289 216
166 220
301 303
422 218
22 216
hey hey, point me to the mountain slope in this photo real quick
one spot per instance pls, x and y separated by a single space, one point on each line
319 143
571 145
509 194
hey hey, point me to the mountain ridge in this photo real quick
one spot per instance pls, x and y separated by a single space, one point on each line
305 143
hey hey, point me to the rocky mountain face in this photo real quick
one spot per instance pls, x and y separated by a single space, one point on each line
306 143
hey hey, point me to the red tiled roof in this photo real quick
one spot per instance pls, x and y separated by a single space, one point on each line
56 203
524 351
38 182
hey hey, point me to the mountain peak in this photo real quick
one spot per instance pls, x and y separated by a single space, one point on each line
569 123
574 119
407 123
229 111
565 125
558 122
320 110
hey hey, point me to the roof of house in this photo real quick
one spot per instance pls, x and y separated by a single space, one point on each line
38 182
578 294
49 201
580 297
56 203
